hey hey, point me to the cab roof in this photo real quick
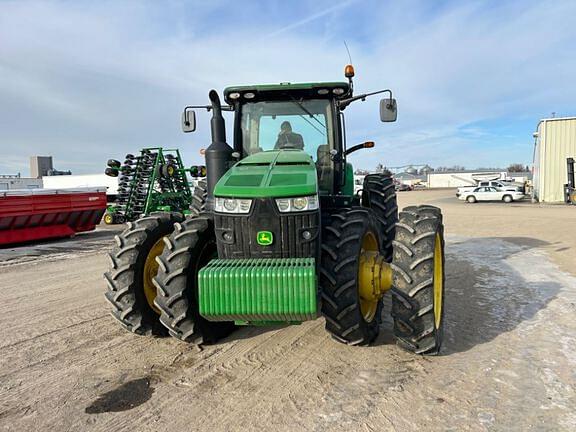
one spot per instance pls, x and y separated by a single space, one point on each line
286 90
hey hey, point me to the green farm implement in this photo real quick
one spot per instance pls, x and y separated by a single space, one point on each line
278 235
153 181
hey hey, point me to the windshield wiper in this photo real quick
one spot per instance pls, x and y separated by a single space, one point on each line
303 108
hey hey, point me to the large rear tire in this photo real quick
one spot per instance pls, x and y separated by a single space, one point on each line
349 318
199 198
190 247
130 288
418 279
379 194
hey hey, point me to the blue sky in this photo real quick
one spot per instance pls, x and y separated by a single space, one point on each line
85 81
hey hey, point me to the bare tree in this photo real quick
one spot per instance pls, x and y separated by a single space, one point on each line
516 167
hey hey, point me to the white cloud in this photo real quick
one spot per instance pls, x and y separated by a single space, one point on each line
87 81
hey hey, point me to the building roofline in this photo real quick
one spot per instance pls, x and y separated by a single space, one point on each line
558 118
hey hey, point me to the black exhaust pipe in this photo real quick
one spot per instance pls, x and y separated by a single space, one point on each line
219 153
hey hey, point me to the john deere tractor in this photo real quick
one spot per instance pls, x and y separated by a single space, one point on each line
281 237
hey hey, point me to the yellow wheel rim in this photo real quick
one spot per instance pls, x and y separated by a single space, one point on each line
150 271
170 171
438 280
366 291
108 219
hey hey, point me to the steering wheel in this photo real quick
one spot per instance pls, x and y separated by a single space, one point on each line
287 145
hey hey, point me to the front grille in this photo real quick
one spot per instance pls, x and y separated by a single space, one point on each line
236 234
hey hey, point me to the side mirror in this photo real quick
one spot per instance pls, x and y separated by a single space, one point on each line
388 111
188 121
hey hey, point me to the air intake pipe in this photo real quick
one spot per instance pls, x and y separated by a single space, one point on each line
219 153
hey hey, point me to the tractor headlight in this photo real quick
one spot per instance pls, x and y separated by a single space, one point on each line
297 204
232 205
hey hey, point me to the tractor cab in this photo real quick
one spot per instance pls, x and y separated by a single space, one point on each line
301 116
287 116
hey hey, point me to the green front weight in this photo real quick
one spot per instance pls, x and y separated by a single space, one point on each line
256 290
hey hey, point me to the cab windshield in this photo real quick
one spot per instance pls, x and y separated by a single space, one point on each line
296 124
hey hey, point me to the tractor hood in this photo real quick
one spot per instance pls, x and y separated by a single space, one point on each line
275 173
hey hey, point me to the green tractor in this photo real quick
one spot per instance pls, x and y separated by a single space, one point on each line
281 237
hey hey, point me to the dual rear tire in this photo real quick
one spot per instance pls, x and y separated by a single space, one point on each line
352 314
152 280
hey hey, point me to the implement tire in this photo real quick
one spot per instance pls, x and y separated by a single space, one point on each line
379 194
109 219
129 277
418 280
342 243
199 198
190 247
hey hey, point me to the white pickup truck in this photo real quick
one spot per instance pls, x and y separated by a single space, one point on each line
498 184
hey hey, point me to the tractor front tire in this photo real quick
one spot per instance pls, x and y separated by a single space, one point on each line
349 319
132 264
418 280
379 194
190 247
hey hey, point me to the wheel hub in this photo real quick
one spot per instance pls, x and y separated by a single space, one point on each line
374 277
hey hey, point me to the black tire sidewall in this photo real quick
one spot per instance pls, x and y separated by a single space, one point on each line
337 321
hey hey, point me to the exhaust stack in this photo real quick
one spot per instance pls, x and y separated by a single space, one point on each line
219 153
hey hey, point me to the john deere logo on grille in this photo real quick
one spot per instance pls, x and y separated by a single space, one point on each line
264 238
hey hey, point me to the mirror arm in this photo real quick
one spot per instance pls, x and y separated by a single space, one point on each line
208 107
345 102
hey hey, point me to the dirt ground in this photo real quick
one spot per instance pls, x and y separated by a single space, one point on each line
508 361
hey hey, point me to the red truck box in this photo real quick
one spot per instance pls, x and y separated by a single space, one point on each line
35 214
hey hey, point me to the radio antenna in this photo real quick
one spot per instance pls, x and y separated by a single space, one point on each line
348 51
349 70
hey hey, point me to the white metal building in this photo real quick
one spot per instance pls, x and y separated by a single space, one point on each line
17 182
555 142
